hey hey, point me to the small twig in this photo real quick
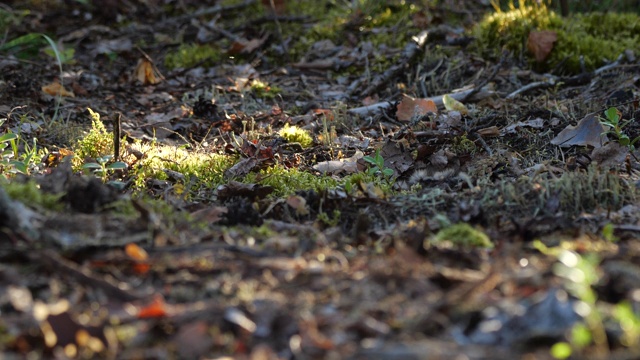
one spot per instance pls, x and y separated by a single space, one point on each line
365 110
411 51
116 136
285 49
552 80
491 76
57 264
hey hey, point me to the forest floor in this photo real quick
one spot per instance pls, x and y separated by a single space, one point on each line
278 180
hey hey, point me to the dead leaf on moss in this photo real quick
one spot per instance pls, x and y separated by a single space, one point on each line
410 107
588 132
540 44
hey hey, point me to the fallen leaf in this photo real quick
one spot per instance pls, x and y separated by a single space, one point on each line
299 204
156 309
540 44
611 155
55 89
146 73
588 131
246 46
135 252
452 104
410 108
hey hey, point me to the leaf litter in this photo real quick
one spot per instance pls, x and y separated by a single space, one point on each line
337 259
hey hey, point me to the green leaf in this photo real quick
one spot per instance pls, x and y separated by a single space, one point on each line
369 159
32 39
8 137
612 115
20 166
387 172
91 166
118 165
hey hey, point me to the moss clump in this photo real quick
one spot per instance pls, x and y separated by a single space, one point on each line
596 37
287 181
294 134
462 235
264 90
29 193
191 55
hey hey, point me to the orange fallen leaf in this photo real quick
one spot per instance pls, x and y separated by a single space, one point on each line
409 108
55 89
147 73
540 44
136 252
326 112
156 309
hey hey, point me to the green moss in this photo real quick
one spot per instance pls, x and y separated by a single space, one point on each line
463 235
596 37
200 169
189 55
294 134
264 90
287 181
29 193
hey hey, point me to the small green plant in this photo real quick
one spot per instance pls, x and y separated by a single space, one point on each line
332 221
97 143
581 274
613 120
377 166
102 167
11 159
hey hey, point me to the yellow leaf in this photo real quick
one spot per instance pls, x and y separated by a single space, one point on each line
452 104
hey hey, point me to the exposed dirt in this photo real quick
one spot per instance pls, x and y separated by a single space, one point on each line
193 262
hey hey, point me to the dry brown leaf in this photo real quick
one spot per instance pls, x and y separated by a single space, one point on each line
55 89
540 44
299 204
409 108
246 46
589 131
278 6
146 73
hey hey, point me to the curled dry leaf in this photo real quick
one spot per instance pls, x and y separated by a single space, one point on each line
146 73
540 44
410 107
